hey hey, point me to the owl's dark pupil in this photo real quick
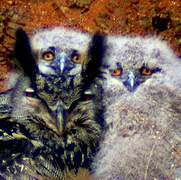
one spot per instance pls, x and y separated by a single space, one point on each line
76 58
117 72
48 56
145 71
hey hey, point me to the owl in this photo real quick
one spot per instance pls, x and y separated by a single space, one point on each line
50 124
142 100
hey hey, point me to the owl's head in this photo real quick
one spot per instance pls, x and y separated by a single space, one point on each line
61 65
60 51
132 62
61 55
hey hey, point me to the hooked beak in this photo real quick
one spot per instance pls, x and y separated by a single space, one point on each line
131 83
62 59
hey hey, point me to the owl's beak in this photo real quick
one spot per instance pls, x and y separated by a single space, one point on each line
131 83
62 59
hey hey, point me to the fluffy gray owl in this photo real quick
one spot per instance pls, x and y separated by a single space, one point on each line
49 121
142 97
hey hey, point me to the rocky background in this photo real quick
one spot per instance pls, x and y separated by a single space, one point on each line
127 17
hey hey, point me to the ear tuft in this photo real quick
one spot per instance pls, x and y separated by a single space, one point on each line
23 53
95 55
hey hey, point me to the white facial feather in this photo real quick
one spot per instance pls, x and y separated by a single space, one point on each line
60 37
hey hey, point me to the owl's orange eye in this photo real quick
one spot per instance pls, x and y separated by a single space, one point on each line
146 71
48 56
76 59
117 72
